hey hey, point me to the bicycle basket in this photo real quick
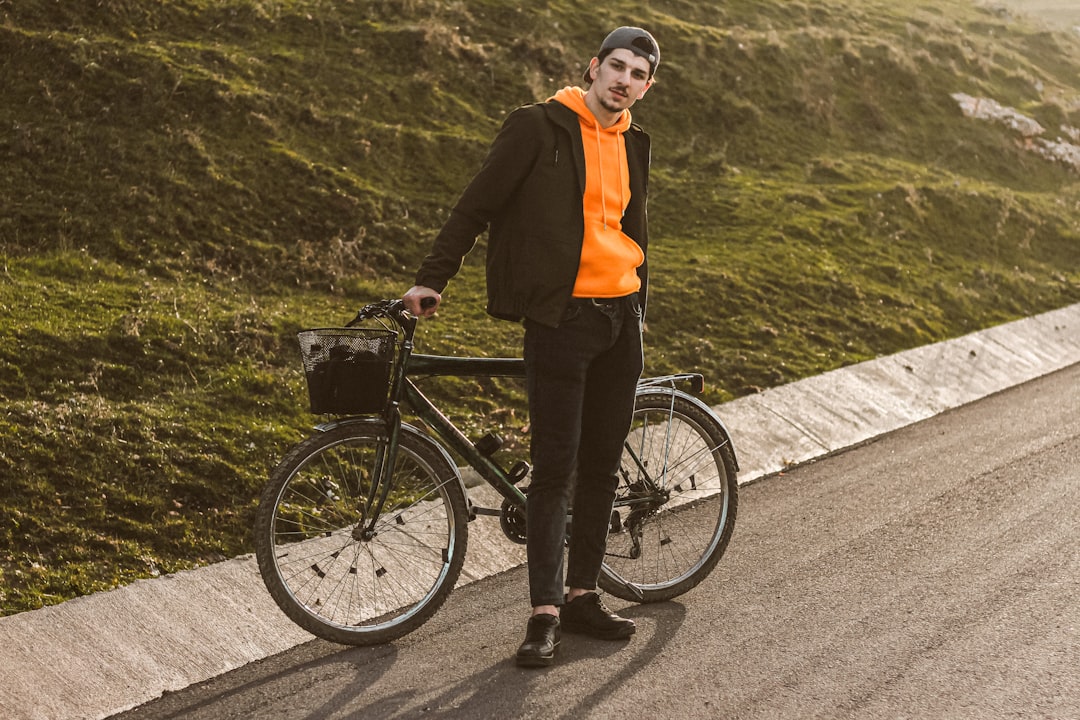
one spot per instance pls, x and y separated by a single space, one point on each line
348 369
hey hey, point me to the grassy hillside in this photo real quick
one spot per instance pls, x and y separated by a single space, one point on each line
187 183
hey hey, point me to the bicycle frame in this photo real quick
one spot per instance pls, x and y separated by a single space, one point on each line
441 425
403 391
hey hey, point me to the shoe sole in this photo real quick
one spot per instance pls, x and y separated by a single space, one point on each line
616 634
537 661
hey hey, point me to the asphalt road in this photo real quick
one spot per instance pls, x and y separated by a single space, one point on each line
932 573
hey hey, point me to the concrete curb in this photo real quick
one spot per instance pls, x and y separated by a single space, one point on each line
98 655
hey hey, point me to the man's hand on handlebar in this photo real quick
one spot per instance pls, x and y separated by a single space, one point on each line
421 301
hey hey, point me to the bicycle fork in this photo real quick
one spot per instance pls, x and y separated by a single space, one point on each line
385 457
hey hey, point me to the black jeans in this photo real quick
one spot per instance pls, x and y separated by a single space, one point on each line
581 378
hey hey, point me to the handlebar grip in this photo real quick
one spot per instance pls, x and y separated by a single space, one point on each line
428 302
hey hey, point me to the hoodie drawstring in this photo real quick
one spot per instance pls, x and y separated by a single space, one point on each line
600 163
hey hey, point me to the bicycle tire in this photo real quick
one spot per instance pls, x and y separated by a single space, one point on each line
327 575
687 453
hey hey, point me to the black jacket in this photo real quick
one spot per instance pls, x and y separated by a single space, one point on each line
529 192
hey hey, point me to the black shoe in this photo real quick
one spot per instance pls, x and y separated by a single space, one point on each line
586 614
541 640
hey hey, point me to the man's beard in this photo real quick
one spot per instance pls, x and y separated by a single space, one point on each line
610 106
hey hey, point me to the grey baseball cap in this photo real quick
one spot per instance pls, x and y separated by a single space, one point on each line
636 40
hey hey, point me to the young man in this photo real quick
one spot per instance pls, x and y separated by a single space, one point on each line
563 195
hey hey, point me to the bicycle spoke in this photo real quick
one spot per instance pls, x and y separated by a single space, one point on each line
344 574
675 500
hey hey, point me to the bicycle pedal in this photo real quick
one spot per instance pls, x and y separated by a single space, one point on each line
518 472
615 525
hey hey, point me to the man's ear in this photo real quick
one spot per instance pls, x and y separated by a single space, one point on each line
647 86
594 68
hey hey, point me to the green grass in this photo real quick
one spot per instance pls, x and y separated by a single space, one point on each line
189 183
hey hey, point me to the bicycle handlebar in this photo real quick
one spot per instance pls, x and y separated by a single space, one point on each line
390 309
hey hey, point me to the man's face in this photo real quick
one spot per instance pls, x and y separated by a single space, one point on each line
620 80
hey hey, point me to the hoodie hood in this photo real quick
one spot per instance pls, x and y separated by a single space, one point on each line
574 98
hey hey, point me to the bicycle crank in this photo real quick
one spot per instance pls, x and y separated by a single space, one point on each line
512 522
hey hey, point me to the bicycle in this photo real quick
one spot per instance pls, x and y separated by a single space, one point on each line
362 528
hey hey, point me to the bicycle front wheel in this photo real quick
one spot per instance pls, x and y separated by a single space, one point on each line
334 567
675 506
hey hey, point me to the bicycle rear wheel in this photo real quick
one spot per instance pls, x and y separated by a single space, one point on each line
676 502
334 572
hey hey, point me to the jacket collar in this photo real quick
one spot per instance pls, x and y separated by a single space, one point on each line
567 119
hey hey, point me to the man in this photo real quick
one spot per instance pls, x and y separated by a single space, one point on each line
563 195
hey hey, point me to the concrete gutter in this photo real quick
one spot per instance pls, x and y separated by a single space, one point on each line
98 655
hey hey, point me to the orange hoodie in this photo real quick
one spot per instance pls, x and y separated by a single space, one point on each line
609 258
